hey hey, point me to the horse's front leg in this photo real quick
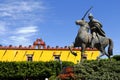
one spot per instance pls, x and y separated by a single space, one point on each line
82 51
70 48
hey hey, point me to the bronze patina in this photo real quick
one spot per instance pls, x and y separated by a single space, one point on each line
96 38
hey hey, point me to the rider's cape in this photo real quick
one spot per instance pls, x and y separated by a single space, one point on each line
100 31
98 26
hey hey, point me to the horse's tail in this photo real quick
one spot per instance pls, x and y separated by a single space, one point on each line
110 48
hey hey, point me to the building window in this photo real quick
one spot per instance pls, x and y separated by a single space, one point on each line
57 58
29 57
85 56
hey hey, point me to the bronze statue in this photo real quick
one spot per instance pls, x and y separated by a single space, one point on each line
83 40
96 39
95 28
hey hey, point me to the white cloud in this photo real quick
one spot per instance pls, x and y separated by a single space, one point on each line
22 12
23 35
15 8
5 14
18 40
2 27
17 13
21 39
27 30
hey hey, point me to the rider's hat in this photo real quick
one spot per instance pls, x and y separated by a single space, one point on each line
90 15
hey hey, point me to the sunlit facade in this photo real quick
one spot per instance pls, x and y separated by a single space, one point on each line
40 52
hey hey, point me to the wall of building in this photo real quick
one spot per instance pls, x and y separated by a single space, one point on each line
40 52
45 55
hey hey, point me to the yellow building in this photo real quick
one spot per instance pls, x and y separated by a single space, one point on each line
40 52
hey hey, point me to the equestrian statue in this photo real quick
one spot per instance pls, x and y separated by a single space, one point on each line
96 39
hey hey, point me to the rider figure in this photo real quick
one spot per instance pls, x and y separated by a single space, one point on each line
95 27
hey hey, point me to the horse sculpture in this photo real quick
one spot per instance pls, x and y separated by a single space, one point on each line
83 40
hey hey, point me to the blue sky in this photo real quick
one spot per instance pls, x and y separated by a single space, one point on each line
23 21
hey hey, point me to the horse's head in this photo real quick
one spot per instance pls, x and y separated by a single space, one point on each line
81 22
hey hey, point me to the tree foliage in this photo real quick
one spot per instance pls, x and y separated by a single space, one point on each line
32 70
94 70
87 70
116 57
